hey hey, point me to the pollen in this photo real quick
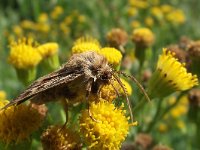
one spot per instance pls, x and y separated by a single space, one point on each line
48 49
113 55
84 44
143 37
23 54
110 129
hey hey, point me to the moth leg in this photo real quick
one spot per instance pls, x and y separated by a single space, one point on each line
65 105
88 91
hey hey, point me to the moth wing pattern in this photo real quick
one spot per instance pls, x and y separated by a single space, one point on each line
62 76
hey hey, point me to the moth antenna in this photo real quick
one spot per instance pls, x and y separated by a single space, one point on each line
138 84
118 95
124 90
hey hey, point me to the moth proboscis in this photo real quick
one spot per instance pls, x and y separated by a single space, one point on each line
83 74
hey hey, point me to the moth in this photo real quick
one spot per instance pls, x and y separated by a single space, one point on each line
83 74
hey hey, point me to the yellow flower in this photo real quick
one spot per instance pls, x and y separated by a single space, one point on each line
2 95
23 54
113 55
149 21
166 8
162 127
26 24
60 138
48 49
68 20
143 37
110 128
181 108
108 92
139 4
57 11
42 27
135 24
17 30
170 76
43 17
84 44
18 122
132 11
81 18
176 17
64 28
157 12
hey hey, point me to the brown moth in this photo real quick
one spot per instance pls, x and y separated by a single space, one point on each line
83 74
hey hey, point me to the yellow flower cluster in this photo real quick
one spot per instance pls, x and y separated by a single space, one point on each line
18 122
113 55
23 54
57 11
48 49
84 44
2 95
175 72
110 128
159 13
143 37
60 138
176 17
170 76
181 108
108 92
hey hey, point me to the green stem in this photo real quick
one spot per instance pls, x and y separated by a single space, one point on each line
155 118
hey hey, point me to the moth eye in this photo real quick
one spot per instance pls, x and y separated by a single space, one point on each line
104 77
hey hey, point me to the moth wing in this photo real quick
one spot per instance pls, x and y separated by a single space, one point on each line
59 77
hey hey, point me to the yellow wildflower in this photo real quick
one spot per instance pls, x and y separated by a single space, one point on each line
176 17
135 24
149 21
57 11
26 24
43 17
23 54
113 55
132 11
181 108
166 8
139 4
42 27
17 30
143 37
84 44
157 12
170 76
110 129
48 49
81 18
18 122
64 28
162 127
2 95
60 138
68 20
109 93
